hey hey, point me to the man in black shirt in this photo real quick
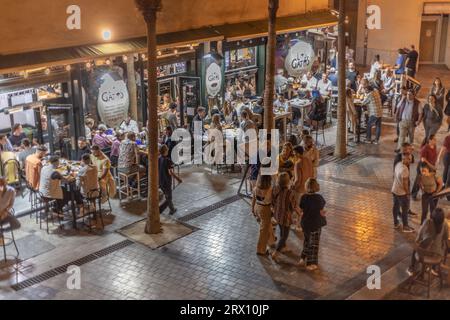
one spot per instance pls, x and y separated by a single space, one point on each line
165 173
83 148
351 76
411 62
17 135
199 117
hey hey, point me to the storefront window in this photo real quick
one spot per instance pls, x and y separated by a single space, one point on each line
171 69
240 58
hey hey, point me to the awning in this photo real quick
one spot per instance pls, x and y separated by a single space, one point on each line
229 32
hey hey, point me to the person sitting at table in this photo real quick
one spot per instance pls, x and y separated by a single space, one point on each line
129 125
50 184
332 76
325 86
7 198
229 114
26 150
5 144
105 178
310 80
199 117
258 108
17 135
281 103
318 110
114 156
83 148
129 155
362 87
215 123
33 166
376 82
87 178
101 139
389 85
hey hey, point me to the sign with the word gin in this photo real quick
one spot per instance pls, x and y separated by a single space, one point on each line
113 99
213 79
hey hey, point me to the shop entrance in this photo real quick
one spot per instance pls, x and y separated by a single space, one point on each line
428 36
58 129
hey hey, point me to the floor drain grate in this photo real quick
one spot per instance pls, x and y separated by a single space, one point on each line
62 269
210 208
327 156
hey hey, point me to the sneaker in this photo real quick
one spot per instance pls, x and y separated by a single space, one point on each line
376 142
407 229
263 253
410 271
301 263
412 213
312 267
397 226
172 212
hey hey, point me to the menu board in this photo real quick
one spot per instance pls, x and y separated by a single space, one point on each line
240 58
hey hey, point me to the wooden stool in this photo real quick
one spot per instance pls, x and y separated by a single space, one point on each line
124 187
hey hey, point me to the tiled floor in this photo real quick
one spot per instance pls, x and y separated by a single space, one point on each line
218 260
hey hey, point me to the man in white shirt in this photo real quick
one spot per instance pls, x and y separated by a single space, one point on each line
401 191
129 125
7 197
281 103
311 82
325 86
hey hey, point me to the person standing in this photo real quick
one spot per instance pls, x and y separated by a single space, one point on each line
400 63
432 116
312 153
409 114
165 174
429 184
283 201
375 110
376 66
17 135
26 150
312 206
352 115
400 192
83 148
447 109
429 156
411 62
351 76
438 90
172 116
396 106
444 154
261 209
303 170
33 167
105 178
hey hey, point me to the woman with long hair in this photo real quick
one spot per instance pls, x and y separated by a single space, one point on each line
432 238
284 205
261 209
438 90
351 110
432 116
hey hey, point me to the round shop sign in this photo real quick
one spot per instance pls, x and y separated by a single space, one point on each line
113 101
213 79
299 59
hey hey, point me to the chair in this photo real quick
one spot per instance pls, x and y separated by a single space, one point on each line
44 211
92 210
124 187
7 241
317 127
428 261
11 169
34 200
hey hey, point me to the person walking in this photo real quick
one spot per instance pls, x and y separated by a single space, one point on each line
311 152
432 116
444 154
313 220
412 58
283 202
429 183
166 172
303 170
261 209
375 109
409 114
400 192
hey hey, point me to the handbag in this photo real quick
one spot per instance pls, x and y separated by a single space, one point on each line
323 221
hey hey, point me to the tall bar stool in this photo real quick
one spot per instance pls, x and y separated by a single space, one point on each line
45 213
124 187
427 261
93 207
8 240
